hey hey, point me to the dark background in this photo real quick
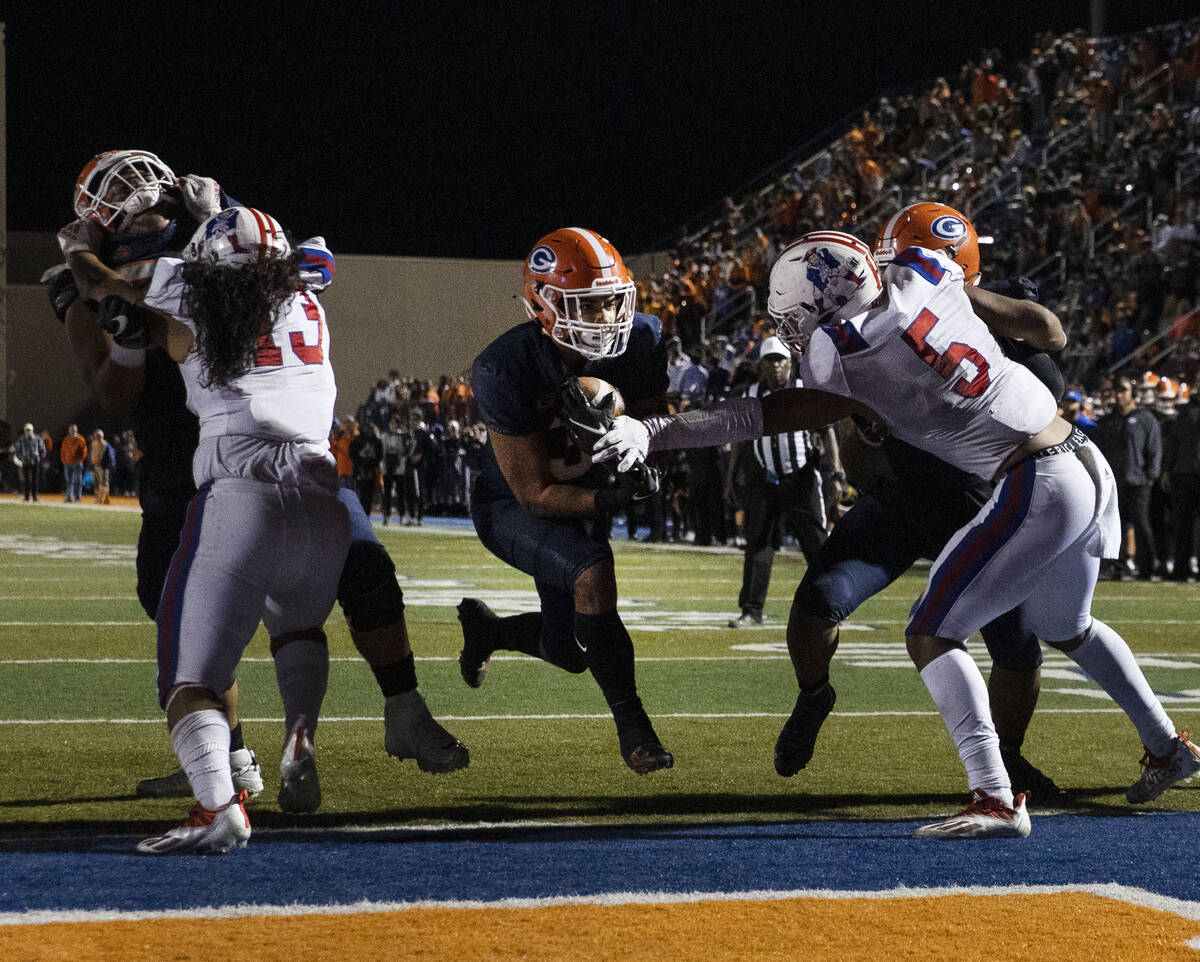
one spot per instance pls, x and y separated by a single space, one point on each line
452 129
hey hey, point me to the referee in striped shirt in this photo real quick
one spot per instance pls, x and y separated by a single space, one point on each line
783 486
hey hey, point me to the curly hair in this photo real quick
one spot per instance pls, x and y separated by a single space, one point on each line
233 307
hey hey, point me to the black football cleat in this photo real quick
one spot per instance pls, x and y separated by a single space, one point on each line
794 748
648 757
479 626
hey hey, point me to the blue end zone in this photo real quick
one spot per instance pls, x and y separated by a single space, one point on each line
405 865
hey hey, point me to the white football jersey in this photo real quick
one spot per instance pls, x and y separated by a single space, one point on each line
931 369
289 393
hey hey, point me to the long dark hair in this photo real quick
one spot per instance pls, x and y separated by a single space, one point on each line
232 308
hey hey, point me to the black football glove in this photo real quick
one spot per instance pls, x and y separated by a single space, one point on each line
586 423
125 322
62 292
629 487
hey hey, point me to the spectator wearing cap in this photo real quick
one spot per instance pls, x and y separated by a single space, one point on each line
1074 411
27 452
782 485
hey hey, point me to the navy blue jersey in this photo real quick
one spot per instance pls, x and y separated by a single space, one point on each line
167 431
516 383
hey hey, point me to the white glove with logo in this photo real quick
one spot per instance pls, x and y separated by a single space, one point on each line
627 439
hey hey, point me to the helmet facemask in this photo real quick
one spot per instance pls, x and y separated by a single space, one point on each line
570 312
120 187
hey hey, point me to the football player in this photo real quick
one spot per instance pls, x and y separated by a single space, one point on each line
266 535
131 210
909 347
908 510
537 498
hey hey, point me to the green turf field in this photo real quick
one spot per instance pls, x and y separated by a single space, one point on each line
79 724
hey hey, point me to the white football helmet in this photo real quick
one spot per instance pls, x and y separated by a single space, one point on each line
237 236
117 185
823 276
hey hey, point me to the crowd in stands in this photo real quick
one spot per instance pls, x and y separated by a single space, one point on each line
1080 167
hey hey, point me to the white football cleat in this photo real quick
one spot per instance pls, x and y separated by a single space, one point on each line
1161 772
299 788
984 817
204 830
247 773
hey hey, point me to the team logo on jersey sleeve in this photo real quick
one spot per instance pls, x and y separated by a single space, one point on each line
543 260
948 228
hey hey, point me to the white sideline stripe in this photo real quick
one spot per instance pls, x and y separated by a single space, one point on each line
1117 893
564 716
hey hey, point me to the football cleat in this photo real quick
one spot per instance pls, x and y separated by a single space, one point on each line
794 747
478 624
1030 778
745 620
410 731
299 787
247 777
204 830
984 817
1160 772
648 757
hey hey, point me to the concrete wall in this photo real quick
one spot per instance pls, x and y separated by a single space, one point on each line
422 316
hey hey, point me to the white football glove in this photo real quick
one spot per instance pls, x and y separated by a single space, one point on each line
627 439
201 196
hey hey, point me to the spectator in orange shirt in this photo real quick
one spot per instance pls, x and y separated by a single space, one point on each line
340 436
73 452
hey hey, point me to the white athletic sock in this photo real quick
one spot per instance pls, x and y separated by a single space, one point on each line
961 696
201 743
302 673
1106 657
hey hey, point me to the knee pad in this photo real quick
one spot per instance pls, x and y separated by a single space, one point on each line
368 591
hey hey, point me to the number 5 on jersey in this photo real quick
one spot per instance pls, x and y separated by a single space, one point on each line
946 362
270 354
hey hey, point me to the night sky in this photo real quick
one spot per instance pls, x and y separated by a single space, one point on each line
469 130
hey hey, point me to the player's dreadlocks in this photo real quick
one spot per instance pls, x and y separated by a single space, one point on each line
232 308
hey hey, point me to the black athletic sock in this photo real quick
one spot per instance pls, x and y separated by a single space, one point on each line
235 738
521 633
608 651
397 677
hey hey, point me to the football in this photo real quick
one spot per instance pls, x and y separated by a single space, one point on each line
598 391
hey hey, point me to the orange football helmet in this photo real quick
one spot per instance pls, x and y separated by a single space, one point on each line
580 291
934 227
120 184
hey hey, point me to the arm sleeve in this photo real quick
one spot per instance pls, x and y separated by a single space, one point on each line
739 419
